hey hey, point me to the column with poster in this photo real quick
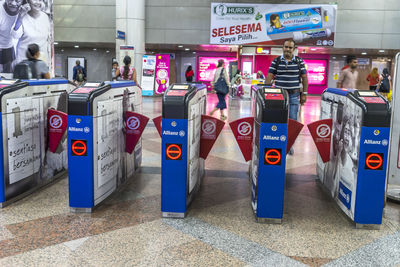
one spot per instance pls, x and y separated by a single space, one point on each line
162 73
148 72
20 28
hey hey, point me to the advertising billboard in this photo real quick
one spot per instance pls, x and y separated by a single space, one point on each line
208 65
316 71
242 23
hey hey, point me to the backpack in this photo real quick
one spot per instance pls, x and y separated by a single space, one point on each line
25 69
384 86
79 75
221 86
278 61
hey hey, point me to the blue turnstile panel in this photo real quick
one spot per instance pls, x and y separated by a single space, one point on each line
355 176
181 168
269 153
27 162
98 161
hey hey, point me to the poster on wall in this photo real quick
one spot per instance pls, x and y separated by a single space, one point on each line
23 23
316 71
162 73
148 73
271 24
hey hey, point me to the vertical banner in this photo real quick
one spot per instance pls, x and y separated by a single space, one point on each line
134 126
321 132
210 130
243 131
294 129
19 28
148 73
56 126
162 73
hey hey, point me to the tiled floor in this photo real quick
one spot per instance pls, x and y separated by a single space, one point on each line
220 228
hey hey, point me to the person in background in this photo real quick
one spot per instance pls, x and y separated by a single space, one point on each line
127 72
221 97
79 73
385 83
373 79
115 74
189 74
260 75
33 54
235 82
348 77
289 73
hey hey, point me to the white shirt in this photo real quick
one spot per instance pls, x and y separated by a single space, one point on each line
35 30
6 24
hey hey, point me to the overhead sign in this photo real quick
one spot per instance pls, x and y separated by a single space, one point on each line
78 148
272 24
374 161
173 151
273 156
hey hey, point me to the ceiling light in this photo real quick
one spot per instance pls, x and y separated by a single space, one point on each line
107 51
344 56
187 49
194 52
94 49
313 49
180 46
62 50
55 43
76 46
381 51
363 53
334 57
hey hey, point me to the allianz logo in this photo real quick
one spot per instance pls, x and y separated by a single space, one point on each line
384 142
274 138
180 133
75 129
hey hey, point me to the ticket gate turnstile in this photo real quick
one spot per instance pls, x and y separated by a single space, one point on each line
98 163
181 168
27 163
355 175
267 169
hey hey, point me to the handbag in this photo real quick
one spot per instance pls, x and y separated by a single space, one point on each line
220 86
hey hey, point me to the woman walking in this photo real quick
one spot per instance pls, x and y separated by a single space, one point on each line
223 74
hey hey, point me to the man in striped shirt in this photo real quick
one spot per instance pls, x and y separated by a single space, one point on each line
288 71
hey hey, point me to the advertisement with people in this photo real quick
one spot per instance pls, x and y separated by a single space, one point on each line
271 24
25 22
339 175
208 66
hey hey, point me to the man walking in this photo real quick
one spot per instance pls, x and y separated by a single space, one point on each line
289 71
348 77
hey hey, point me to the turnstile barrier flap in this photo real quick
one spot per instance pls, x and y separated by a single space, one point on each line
134 127
210 129
294 129
56 127
321 132
157 123
242 129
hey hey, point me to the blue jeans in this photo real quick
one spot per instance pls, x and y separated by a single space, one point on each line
294 103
